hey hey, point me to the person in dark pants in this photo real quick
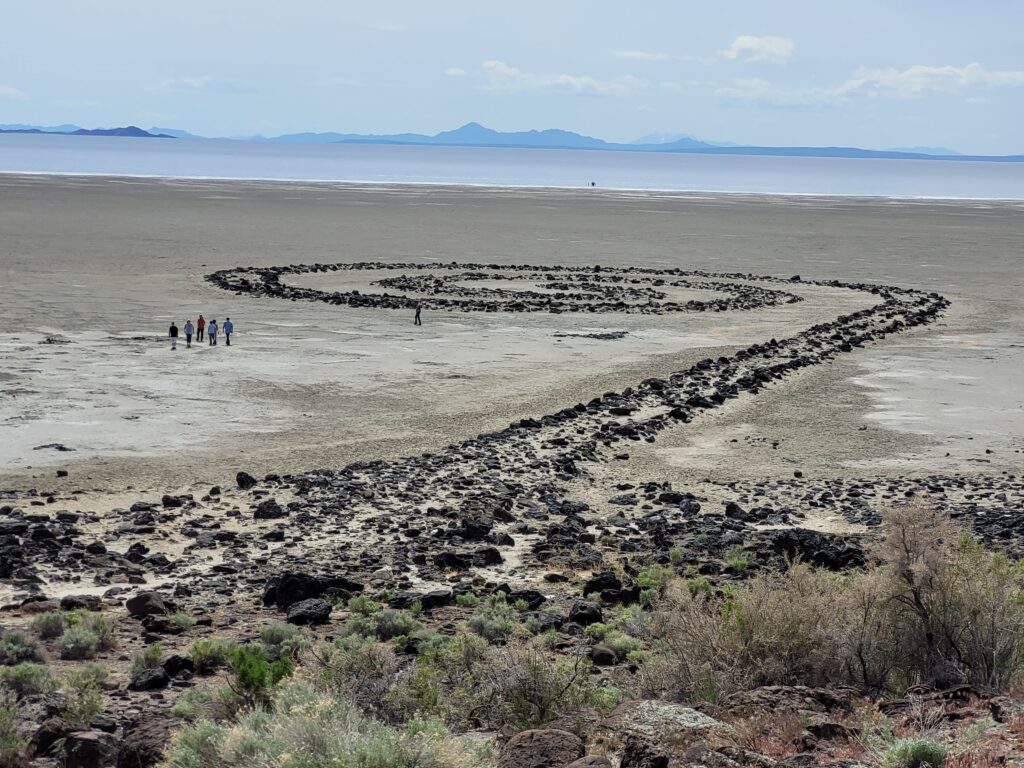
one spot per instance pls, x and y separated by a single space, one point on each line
228 329
200 327
211 333
173 334
416 320
189 330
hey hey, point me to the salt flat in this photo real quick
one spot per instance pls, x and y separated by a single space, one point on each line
100 267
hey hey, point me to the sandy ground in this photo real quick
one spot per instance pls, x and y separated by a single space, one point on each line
94 269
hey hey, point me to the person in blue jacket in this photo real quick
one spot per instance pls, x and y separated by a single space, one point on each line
229 328
211 331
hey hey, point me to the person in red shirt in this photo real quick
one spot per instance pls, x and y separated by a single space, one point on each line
200 327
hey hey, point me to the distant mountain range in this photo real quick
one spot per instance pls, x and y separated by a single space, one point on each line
131 131
476 135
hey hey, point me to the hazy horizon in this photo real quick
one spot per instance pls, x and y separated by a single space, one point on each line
881 75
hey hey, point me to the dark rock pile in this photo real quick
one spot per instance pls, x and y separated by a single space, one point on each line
469 510
567 289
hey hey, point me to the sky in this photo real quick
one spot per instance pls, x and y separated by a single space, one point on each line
875 73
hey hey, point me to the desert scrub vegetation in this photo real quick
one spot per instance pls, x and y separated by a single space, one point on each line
937 608
17 647
494 620
12 746
210 654
307 726
83 699
383 624
49 625
183 621
469 684
27 679
357 701
78 643
915 753
148 659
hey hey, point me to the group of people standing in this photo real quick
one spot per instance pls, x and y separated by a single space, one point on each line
201 328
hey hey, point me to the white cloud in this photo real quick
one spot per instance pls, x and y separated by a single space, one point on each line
763 48
384 27
641 55
913 82
455 72
920 79
758 91
10 92
503 77
204 84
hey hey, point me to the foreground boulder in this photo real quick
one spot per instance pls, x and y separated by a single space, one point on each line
269 510
664 722
312 611
150 680
50 732
643 753
548 748
292 586
144 742
146 604
88 749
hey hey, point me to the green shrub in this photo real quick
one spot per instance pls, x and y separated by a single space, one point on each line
470 684
937 609
390 623
91 673
78 643
495 620
654 577
736 558
915 753
192 704
621 643
12 746
49 625
633 620
361 626
83 700
280 639
17 647
598 631
183 620
363 605
102 626
27 679
467 600
148 659
699 586
209 655
364 670
278 633
310 727
253 675
533 688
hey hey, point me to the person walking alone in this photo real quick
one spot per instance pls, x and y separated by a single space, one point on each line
173 334
416 320
189 330
211 331
229 328
200 325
